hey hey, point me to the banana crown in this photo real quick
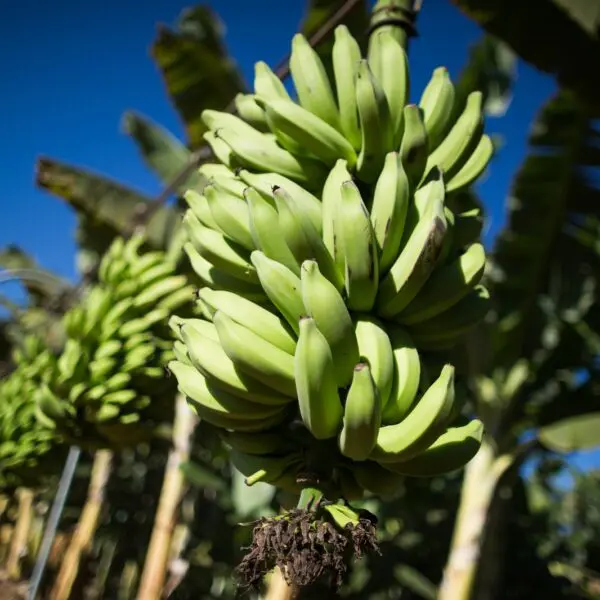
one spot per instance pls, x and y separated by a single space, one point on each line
335 233
26 444
110 374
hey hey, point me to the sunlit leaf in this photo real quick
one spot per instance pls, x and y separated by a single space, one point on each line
576 433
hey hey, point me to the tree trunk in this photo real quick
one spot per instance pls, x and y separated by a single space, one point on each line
155 566
86 527
18 544
479 485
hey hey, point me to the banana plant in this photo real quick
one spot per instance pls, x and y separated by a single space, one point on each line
535 363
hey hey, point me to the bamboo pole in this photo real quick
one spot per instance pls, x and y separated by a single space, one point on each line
155 567
86 527
18 544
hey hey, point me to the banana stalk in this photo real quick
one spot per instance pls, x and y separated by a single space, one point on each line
18 544
155 567
279 588
402 13
82 539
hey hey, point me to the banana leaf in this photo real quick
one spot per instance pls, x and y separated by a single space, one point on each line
566 49
164 154
575 433
197 70
104 202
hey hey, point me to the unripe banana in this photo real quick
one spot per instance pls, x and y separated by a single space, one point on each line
377 480
216 119
209 358
375 348
256 318
221 150
309 130
356 240
212 401
389 64
345 57
474 166
282 287
389 209
145 263
446 286
265 230
267 84
97 303
262 468
229 183
216 249
414 148
159 290
331 199
312 82
436 103
375 123
255 356
318 398
450 452
407 375
199 206
267 156
467 228
154 274
421 426
143 323
108 348
217 279
250 111
266 442
230 213
302 237
362 415
456 148
446 329
418 258
210 170
323 302
265 182
177 298
204 328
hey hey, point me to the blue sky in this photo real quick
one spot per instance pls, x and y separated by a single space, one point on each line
70 69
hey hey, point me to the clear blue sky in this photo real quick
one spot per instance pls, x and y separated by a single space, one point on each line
70 69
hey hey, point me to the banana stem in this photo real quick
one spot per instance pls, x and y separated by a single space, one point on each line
18 545
397 16
86 527
155 566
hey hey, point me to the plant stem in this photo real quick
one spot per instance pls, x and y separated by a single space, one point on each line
86 527
18 545
155 566
397 16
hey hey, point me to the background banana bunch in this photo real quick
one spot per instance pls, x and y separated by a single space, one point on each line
334 247
109 386
28 450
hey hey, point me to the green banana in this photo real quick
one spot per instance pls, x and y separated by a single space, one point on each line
302 237
250 111
312 82
375 124
308 130
421 426
345 58
450 452
356 240
159 290
474 166
217 279
221 150
210 170
362 415
143 323
378 480
418 257
198 204
255 356
262 468
266 234
219 251
265 442
324 304
331 198
108 348
210 359
407 375
318 398
375 348
389 209
458 146
436 103
231 215
414 148
389 64
282 286
256 318
446 286
267 84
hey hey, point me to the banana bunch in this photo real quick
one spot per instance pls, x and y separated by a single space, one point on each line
110 385
335 247
28 450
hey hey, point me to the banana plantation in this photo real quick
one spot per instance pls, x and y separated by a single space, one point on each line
301 370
